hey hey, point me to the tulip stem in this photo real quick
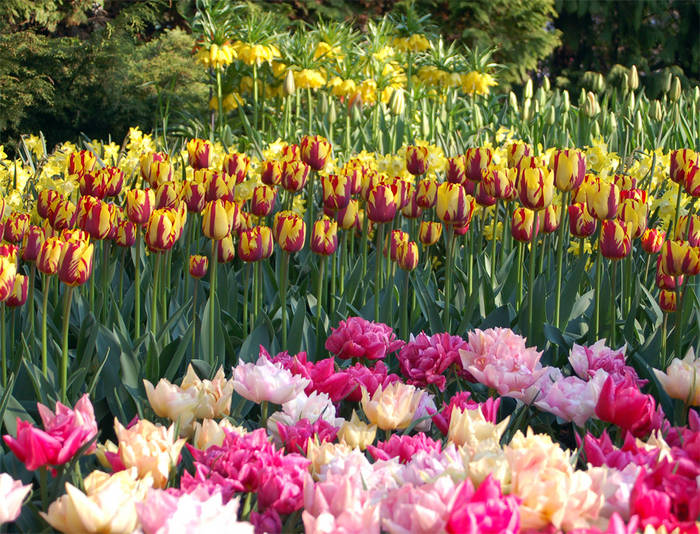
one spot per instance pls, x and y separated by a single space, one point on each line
613 303
121 279
194 319
245 299
449 260
219 101
284 277
531 291
255 95
64 353
404 307
264 406
560 259
92 295
3 350
319 297
521 248
331 294
212 297
378 269
679 320
44 308
598 275
154 300
310 98
105 268
32 276
664 330
343 259
137 285
44 486
493 242
365 244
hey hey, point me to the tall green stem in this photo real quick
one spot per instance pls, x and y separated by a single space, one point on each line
613 303
310 116
331 293
213 264
3 349
64 352
531 291
674 222
154 299
378 268
32 277
404 307
220 102
679 320
284 278
449 265
246 287
319 299
105 275
493 241
194 320
560 258
44 309
598 275
521 248
137 285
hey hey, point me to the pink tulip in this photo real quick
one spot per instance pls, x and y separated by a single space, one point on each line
295 437
12 494
483 511
624 405
463 401
404 447
424 359
420 509
359 338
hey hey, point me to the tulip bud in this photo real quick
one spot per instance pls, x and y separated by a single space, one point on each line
255 244
294 175
225 249
536 188
591 107
381 204
667 301
426 194
551 116
397 102
668 79
613 122
163 229
289 231
336 191
198 266
81 162
454 206
315 151
527 92
270 172
31 244
75 263
289 85
18 295
676 89
633 79
417 160
477 161
525 224
407 255
603 199
681 163
139 205
569 168
126 234
656 112
16 226
546 84
324 237
348 216
696 95
652 240
93 184
615 242
49 255
638 124
552 219
430 232
526 109
567 101
455 171
581 223
200 153
513 101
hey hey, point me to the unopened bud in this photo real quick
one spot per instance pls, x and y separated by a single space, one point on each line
527 93
613 122
591 107
478 119
595 130
667 81
526 109
332 116
655 111
638 124
289 85
633 80
546 84
676 89
630 104
582 98
540 97
551 115
567 100
599 83
513 101
397 103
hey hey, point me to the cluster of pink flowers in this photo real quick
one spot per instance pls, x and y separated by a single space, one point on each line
424 359
362 339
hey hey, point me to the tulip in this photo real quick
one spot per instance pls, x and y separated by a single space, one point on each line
680 161
126 234
49 255
324 237
81 162
692 180
667 300
114 178
666 281
75 263
200 153
634 213
525 224
336 191
516 150
294 175
624 405
216 185
198 266
356 433
407 255
263 201
396 238
455 172
614 240
145 165
348 217
97 219
44 200
236 166
429 232
603 200
551 219
688 229
454 206
499 183
673 256
270 172
163 229
569 168
18 295
581 223
31 244
194 195
417 160
381 204
289 231
92 184
426 193
477 162
167 195
536 187
315 151
680 381
482 197
393 407
226 250
215 220
625 182
140 204
12 495
255 244
16 226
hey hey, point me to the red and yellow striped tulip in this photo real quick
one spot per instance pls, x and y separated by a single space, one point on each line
417 160
429 232
256 244
63 215
581 223
324 237
348 217
315 151
263 200
536 187
551 219
145 167
453 205
225 249
603 200
164 227
680 161
455 172
673 256
200 153
114 177
652 240
426 193
381 204
692 180
271 172
236 166
408 255
395 239
569 168
615 241
515 152
194 195
75 264
44 200
81 162
92 184
16 226
525 224
688 229
217 186
289 231
18 295
215 220
412 210
167 195
140 204
31 244
500 183
97 218
126 234
49 255
294 175
8 272
634 214
667 301
198 266
336 191
477 162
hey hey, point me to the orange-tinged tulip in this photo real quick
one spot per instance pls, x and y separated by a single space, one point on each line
163 229
453 205
33 238
289 231
92 184
477 162
455 172
15 227
426 193
263 201
256 244
225 249
551 219
215 220
8 272
381 204
569 168
126 234
581 223
417 160
615 241
271 172
336 191
167 195
515 152
652 240
236 166
348 217
667 301
324 237
140 204
194 193
536 187
81 162
500 183
429 232
294 175
75 264
49 255
200 153
603 200
524 225
198 266
680 160
315 151
408 255
18 295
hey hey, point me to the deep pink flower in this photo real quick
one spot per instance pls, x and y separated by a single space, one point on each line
601 451
360 376
359 338
268 522
483 511
462 400
421 509
587 360
424 359
65 432
295 437
404 447
623 404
